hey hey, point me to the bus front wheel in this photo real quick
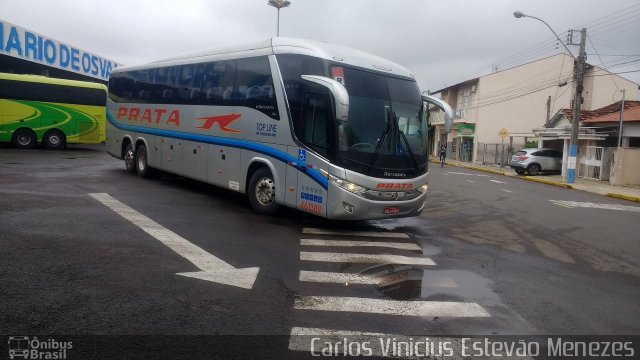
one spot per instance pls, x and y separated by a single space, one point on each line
129 158
24 139
262 192
54 140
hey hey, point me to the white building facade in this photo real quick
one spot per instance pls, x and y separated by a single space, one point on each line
495 113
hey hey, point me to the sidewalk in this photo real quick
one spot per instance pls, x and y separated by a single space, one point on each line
631 193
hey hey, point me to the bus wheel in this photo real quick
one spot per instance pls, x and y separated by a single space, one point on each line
24 139
142 168
262 192
54 140
129 158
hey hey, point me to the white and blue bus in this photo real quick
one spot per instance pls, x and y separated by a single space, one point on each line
329 130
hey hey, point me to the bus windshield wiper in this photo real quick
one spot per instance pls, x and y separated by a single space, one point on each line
388 116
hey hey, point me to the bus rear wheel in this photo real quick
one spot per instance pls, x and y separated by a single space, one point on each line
262 192
142 167
54 140
129 158
24 139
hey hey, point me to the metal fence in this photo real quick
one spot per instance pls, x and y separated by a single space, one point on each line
496 154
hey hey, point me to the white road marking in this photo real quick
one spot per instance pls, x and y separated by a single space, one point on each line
336 278
347 243
470 181
460 173
482 175
364 258
498 181
574 204
391 307
505 190
316 231
211 268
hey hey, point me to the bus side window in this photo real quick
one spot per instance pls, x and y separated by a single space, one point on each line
188 84
163 85
212 76
254 86
143 85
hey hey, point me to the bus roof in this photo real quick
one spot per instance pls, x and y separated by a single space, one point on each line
49 80
282 45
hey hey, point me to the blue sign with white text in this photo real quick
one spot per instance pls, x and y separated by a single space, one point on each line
27 45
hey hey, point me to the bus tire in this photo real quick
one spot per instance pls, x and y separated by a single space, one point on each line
129 156
142 164
54 140
24 139
262 192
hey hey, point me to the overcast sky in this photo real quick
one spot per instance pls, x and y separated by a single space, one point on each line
442 41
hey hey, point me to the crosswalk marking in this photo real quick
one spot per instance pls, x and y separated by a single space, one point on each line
348 243
391 307
498 181
316 231
336 278
505 190
470 181
364 258
574 204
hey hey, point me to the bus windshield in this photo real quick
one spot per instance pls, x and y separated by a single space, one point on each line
385 129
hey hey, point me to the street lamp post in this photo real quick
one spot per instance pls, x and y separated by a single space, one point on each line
569 166
278 4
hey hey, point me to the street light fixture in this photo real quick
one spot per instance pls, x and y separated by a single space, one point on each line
279 4
569 166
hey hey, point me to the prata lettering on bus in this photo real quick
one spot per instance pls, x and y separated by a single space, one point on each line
150 116
21 43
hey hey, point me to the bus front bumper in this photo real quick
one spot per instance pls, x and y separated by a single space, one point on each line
344 205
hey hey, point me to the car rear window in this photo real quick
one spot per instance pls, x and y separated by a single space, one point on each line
521 152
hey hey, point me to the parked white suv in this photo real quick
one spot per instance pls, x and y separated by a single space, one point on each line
534 161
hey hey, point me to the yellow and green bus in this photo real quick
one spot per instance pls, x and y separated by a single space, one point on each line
53 112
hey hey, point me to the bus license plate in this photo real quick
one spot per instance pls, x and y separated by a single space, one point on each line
391 210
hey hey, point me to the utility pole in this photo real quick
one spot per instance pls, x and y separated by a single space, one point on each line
621 116
546 124
577 105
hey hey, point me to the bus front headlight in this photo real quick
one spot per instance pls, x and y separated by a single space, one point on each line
349 186
423 189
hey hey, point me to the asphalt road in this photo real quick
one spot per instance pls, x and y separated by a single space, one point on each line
495 255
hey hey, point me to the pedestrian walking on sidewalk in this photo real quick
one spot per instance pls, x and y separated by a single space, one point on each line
443 154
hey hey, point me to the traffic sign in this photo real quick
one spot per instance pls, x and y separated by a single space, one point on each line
503 133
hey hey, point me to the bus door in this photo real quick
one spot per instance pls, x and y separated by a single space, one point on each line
313 132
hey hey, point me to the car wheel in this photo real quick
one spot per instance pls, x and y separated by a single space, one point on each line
54 140
129 158
262 192
142 167
533 169
24 139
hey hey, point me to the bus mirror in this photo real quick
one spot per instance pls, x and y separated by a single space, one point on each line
448 112
338 91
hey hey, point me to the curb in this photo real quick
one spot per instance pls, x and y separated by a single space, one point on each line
548 182
624 197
